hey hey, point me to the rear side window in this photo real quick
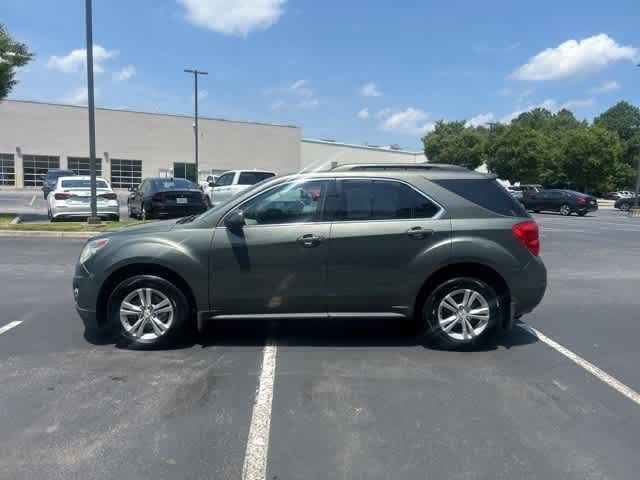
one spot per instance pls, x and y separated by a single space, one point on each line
251 178
380 200
486 193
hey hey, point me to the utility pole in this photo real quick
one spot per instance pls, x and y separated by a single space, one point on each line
195 122
637 182
92 114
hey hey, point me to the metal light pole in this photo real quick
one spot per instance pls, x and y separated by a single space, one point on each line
195 98
635 207
92 114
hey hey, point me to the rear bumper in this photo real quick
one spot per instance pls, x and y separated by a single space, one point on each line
528 290
85 211
174 211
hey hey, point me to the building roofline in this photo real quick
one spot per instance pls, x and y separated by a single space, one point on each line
151 113
364 147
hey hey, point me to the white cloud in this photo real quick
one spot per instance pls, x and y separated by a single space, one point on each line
301 88
233 17
125 74
575 57
550 104
203 94
411 121
480 120
607 87
363 114
385 112
370 90
311 103
78 96
278 105
76 60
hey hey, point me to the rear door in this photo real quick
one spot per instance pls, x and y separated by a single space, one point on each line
383 235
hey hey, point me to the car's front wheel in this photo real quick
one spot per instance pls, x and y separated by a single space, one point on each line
565 210
461 313
148 311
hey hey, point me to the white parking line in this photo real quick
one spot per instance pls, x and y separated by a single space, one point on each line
600 374
9 326
33 199
255 457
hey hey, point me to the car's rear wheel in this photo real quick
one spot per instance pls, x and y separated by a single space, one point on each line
625 206
461 313
565 210
148 311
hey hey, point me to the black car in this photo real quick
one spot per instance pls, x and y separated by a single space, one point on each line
564 201
625 204
49 180
165 198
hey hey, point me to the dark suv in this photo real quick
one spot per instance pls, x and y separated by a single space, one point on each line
441 245
49 180
564 201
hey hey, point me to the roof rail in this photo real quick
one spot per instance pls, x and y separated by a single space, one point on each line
398 166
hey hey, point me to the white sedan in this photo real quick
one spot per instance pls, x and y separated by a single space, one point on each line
71 198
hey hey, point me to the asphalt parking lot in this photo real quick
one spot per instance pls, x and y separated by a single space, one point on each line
348 399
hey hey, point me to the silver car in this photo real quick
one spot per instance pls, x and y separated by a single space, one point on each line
71 198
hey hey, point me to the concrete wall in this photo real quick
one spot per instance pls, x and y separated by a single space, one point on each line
316 152
156 139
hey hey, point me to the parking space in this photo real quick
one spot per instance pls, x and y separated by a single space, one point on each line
339 399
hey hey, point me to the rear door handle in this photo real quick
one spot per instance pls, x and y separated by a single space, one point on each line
419 232
310 240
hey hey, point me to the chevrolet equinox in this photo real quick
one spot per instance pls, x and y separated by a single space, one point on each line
439 245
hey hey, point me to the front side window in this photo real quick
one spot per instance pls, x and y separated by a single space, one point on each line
299 202
380 200
226 179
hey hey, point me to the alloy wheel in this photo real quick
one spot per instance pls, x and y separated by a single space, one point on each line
625 207
565 210
146 314
463 314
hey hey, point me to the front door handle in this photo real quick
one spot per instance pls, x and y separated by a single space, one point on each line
419 232
309 240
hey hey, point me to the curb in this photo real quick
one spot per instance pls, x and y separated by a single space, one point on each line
44 234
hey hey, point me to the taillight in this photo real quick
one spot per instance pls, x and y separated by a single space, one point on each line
109 196
62 196
581 200
528 234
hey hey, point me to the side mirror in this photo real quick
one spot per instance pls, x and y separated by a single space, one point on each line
212 184
235 221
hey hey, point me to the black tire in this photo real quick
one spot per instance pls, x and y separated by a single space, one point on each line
181 311
582 214
129 211
536 211
625 206
144 215
434 332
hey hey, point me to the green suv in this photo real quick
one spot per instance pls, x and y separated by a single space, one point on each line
436 244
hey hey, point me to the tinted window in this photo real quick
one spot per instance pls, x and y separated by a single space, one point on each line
251 178
164 185
289 203
226 179
381 200
83 184
486 193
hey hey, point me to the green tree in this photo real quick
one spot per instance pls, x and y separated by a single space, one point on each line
590 156
519 153
623 118
12 55
456 143
537 119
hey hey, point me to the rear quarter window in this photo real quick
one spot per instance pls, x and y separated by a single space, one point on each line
488 194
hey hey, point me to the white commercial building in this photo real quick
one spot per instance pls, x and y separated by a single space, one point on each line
35 137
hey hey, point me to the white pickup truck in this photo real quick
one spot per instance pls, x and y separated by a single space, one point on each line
232 182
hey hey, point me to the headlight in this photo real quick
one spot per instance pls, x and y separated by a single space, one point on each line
91 248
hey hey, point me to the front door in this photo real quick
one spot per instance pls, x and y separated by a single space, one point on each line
384 235
276 263
222 189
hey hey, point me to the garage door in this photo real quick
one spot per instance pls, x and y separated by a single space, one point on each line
125 173
7 169
34 167
81 166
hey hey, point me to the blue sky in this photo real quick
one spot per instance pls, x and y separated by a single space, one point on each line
355 71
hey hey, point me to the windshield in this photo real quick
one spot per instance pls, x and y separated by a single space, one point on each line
83 184
60 173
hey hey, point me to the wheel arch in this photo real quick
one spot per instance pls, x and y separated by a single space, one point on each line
466 269
131 270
